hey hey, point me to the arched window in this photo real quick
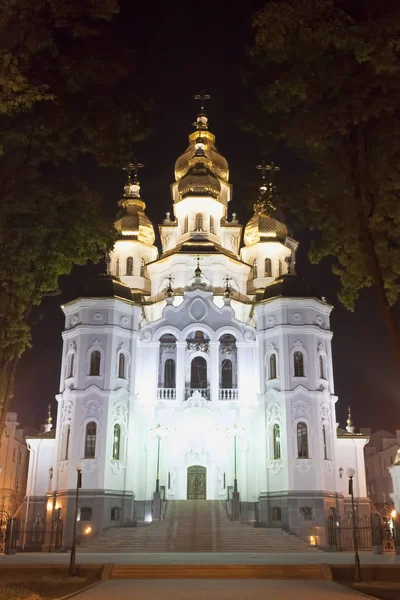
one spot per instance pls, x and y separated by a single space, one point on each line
169 373
226 374
121 365
129 265
85 514
298 361
199 222
115 513
276 513
71 364
198 373
116 442
267 268
67 434
90 440
254 269
302 440
212 224
272 366
142 268
276 432
186 224
321 367
280 268
117 267
326 441
95 359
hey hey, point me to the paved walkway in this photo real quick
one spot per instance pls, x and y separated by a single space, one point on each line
201 558
227 589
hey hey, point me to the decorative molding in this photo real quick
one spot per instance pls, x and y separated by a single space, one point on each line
270 320
198 309
72 345
301 410
92 409
296 316
117 466
124 320
275 466
303 464
319 320
75 319
321 347
98 316
120 412
273 413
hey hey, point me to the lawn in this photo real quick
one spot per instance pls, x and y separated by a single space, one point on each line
34 584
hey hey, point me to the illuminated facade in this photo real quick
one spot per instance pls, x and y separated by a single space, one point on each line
218 344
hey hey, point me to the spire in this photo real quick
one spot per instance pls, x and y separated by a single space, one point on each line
267 189
201 122
132 186
47 425
350 426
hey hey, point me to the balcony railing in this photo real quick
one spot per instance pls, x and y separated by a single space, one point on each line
204 392
166 394
228 394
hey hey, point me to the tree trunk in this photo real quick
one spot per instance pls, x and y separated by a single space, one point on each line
7 378
358 176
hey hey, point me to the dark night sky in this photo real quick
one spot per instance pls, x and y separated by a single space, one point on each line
182 49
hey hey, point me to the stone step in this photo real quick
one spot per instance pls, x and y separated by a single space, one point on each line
193 571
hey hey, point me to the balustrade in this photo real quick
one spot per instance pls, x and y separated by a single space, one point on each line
166 394
228 394
204 392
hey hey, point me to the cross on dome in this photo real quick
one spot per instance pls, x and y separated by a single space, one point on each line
132 186
201 122
267 189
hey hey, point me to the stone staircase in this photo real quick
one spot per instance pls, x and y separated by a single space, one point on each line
195 526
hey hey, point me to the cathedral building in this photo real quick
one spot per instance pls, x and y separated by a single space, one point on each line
201 372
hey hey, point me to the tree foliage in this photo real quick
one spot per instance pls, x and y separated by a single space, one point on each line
66 90
326 74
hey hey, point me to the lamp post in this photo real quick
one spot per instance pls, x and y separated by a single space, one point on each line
234 432
350 474
72 569
158 433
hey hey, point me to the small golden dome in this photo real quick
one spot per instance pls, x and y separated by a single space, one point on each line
210 156
262 228
133 223
199 180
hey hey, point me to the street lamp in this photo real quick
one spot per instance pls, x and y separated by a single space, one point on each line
234 432
158 433
72 569
350 474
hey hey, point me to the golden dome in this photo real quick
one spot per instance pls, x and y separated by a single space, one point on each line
264 228
199 180
131 221
210 156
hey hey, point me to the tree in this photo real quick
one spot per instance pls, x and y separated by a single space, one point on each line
66 91
326 75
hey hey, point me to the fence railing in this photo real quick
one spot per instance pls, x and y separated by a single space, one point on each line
166 394
33 537
370 530
228 394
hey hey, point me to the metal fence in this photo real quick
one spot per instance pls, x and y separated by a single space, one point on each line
33 537
370 530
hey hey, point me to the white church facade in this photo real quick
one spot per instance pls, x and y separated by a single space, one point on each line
197 372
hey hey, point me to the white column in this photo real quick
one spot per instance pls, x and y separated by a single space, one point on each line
214 376
180 370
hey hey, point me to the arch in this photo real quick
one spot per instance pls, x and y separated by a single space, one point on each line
198 373
90 440
298 363
117 267
193 327
254 269
302 440
198 222
70 363
186 224
229 330
169 373
322 365
115 514
116 451
212 229
121 365
95 362
276 441
280 268
272 366
226 374
129 265
267 268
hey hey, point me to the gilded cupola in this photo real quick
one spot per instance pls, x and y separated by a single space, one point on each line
202 149
262 227
199 180
132 222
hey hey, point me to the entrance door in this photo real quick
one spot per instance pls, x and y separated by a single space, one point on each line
196 483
